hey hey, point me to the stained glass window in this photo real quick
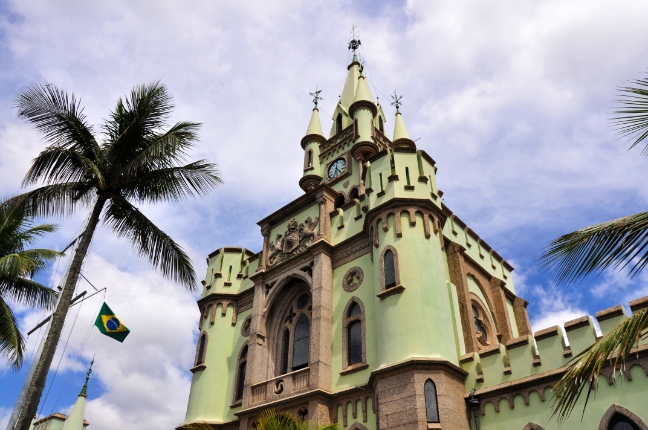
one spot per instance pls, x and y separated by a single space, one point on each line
390 270
355 342
201 349
301 343
431 406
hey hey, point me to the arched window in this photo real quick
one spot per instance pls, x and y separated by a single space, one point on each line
390 269
309 158
301 344
482 322
353 194
240 377
338 123
294 336
621 422
381 126
431 405
353 336
201 350
479 324
339 201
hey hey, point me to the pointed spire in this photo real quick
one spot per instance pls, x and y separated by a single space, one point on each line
363 93
76 420
400 131
315 126
85 386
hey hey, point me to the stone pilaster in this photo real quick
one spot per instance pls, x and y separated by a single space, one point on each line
522 317
326 202
458 278
263 261
321 354
257 344
501 313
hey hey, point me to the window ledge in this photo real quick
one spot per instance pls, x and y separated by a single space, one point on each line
197 368
434 426
237 404
354 368
391 291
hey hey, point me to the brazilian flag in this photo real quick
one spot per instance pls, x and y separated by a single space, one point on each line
109 324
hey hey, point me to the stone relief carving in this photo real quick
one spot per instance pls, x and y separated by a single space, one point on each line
294 241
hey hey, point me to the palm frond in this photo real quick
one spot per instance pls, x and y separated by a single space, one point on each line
632 113
162 150
619 243
270 419
56 165
12 344
175 183
27 292
612 349
135 119
150 242
57 199
59 117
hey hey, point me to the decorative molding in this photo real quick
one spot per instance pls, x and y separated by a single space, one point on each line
350 250
352 279
616 409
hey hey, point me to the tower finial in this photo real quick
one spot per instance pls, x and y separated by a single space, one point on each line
396 101
354 43
316 96
85 386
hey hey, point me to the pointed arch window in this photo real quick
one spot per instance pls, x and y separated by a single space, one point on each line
294 336
338 123
431 403
241 368
354 348
201 350
389 273
621 422
381 125
309 158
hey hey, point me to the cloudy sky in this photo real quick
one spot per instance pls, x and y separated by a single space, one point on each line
511 98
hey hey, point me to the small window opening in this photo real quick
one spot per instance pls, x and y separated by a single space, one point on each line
309 163
390 271
431 405
381 126
285 348
355 342
407 175
381 182
240 383
339 201
229 274
338 123
479 324
353 194
201 349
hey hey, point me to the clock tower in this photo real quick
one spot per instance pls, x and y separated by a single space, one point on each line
371 304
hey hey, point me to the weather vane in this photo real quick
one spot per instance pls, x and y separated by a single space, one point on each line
396 100
316 96
354 43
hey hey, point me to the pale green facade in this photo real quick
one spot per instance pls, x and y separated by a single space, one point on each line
450 315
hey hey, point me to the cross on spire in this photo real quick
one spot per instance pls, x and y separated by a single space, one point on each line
316 96
396 101
354 43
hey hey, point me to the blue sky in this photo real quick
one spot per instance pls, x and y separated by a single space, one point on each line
512 99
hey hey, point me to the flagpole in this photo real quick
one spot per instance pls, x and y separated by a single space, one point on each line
23 393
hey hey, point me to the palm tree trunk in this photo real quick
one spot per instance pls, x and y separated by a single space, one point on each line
37 385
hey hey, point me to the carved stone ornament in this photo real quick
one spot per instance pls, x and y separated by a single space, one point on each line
352 279
245 327
294 241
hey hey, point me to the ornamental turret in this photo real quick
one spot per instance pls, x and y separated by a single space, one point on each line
311 146
401 136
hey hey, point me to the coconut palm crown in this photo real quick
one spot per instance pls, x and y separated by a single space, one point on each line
18 264
620 244
138 159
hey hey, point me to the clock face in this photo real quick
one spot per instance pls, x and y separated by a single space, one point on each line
336 168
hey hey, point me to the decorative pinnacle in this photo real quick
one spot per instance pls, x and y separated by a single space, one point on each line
396 101
316 96
354 43
85 386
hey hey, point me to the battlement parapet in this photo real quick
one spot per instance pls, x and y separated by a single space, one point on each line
548 350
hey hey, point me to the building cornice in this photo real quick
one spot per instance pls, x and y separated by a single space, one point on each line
312 138
416 363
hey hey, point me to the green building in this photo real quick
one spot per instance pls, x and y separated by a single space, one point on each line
373 305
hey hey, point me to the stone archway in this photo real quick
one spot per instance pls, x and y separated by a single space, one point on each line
616 409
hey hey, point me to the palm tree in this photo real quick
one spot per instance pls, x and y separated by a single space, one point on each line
620 244
17 265
138 160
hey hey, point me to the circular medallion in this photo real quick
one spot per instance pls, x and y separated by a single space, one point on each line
352 279
245 327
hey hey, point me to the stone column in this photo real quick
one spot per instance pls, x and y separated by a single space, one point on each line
257 362
321 353
458 278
